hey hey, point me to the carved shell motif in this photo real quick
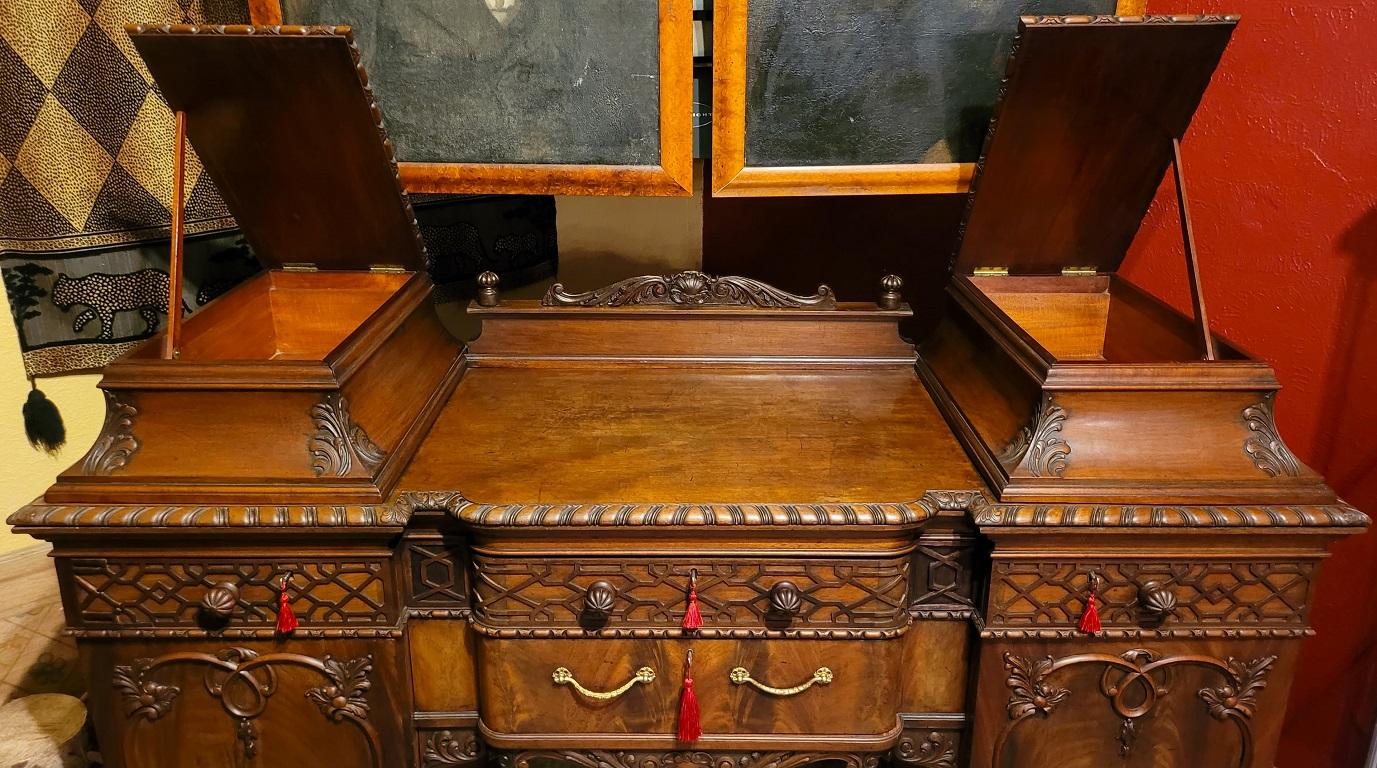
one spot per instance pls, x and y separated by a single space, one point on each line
689 289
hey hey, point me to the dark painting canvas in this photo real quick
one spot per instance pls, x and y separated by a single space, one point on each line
839 82
508 81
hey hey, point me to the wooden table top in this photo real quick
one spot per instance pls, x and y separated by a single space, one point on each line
690 435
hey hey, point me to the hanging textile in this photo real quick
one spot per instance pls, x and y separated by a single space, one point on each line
86 150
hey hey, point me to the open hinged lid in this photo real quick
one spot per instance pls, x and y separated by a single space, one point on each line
283 121
1082 137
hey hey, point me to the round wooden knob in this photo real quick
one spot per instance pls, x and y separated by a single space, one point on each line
220 600
1155 600
598 601
785 599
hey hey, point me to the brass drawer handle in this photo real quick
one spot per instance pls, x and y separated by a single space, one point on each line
822 676
563 676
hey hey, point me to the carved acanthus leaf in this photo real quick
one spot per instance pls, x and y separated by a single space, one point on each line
450 748
689 289
1030 694
1265 446
143 697
1238 698
345 695
338 441
934 750
116 444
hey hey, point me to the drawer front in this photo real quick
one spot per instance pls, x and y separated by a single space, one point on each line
225 594
737 597
534 688
1189 595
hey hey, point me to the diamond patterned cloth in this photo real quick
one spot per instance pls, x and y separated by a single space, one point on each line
86 155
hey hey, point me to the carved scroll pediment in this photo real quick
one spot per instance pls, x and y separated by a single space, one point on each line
689 289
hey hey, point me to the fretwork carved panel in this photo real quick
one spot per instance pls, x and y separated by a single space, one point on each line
1207 594
944 575
162 593
846 593
437 574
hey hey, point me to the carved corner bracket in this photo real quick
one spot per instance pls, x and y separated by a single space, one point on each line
338 441
1040 446
1264 444
689 289
116 444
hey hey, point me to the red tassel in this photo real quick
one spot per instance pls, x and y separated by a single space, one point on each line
286 618
690 726
1090 617
693 618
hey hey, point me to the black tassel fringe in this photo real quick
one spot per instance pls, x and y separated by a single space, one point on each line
42 422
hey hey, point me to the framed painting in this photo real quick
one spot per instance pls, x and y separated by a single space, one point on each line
846 97
576 97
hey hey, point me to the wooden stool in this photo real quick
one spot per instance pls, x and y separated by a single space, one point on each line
43 731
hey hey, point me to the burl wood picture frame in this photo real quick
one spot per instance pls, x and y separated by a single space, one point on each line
672 176
733 177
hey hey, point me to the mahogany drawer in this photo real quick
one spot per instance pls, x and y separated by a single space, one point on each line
566 690
1186 596
523 596
228 595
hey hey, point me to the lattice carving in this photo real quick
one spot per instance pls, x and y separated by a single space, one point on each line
943 575
438 579
162 594
870 593
1207 594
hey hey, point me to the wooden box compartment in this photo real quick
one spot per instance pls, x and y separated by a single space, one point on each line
1064 380
292 379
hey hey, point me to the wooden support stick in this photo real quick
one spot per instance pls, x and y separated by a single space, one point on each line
172 335
1192 264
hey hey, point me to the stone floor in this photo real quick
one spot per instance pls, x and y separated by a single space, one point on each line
34 656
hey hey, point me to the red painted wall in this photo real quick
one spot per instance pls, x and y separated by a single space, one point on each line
1281 165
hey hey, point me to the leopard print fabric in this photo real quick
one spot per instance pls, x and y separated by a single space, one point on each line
103 295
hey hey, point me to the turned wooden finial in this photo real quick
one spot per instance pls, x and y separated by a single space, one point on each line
487 289
890 298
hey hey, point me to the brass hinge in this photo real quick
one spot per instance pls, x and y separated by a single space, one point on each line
1079 271
991 271
298 266
387 269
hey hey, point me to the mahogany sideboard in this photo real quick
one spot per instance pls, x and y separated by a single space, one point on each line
686 519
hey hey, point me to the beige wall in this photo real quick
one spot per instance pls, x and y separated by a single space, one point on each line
27 472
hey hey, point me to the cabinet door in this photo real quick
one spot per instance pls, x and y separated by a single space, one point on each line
217 703
1093 703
